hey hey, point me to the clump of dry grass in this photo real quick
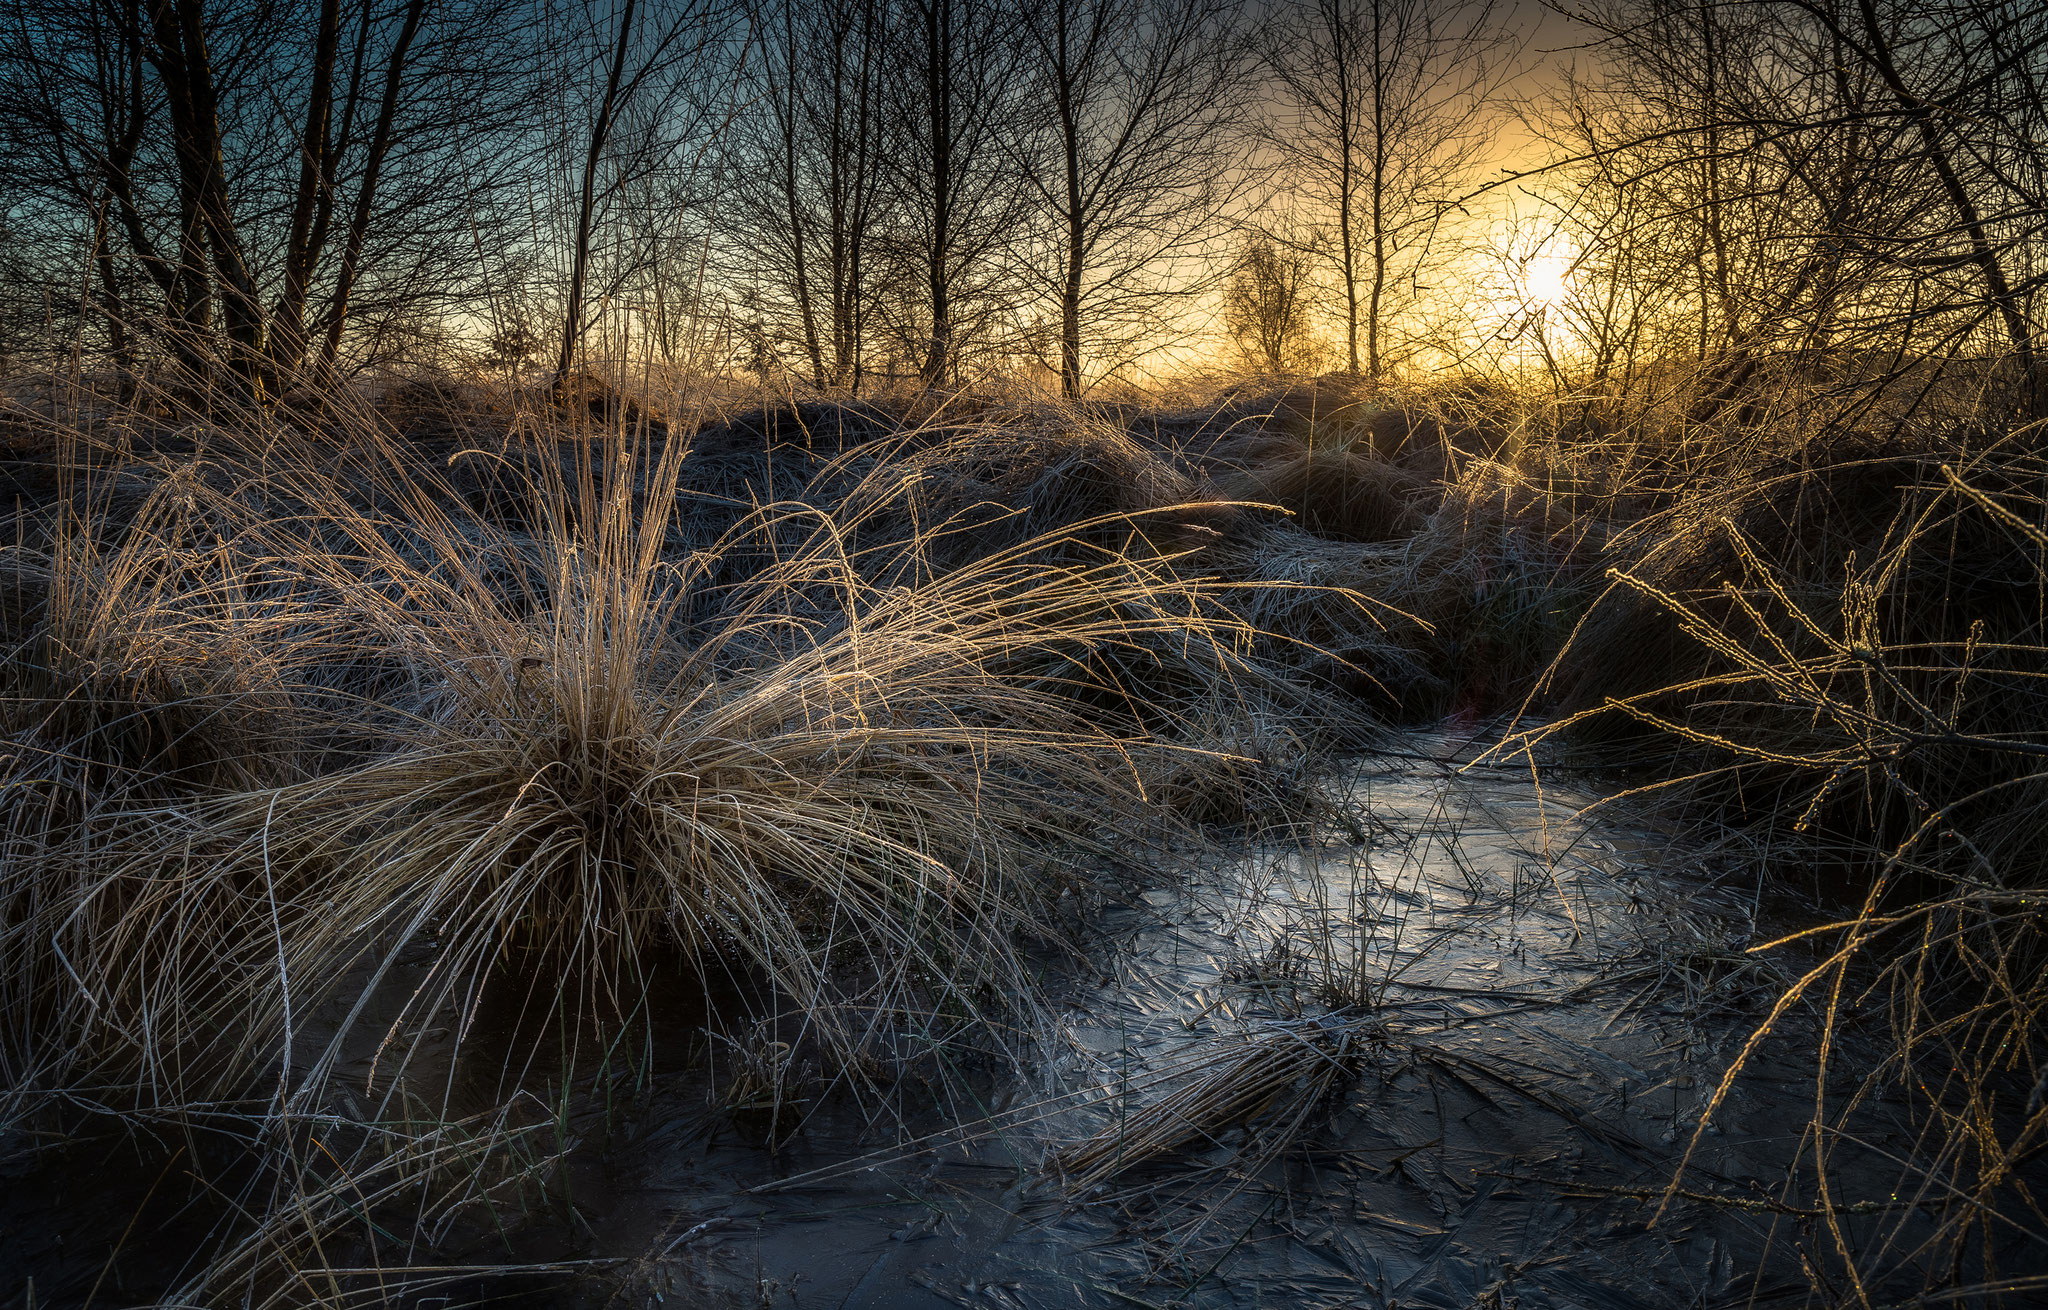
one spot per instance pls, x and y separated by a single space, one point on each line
840 792
1321 608
970 488
1242 767
430 405
1071 492
1502 569
1346 463
150 658
157 670
1336 492
1278 1073
1458 618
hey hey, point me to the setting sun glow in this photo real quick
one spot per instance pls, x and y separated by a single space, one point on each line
1543 278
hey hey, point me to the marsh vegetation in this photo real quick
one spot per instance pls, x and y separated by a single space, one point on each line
745 653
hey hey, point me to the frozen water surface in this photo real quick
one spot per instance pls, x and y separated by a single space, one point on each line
1531 1006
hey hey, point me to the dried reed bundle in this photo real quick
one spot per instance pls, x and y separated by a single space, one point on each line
1283 1069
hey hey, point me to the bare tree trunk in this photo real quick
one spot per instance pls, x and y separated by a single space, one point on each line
806 311
938 19
836 210
572 320
190 293
1717 236
125 130
1379 195
366 191
111 304
1076 220
189 91
850 166
311 202
1070 291
1340 49
866 129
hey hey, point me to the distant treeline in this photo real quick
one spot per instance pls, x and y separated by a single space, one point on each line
840 194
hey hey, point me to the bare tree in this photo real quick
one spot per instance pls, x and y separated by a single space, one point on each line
365 206
1375 131
599 137
1268 307
652 56
235 162
808 194
1813 203
178 52
1132 155
1992 61
958 200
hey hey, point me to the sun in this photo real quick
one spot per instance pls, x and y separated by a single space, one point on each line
1544 278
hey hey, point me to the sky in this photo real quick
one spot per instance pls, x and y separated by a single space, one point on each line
1506 267
1548 39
